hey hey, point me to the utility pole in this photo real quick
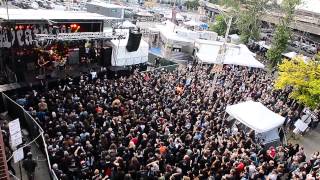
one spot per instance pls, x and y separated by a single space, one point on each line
217 68
223 50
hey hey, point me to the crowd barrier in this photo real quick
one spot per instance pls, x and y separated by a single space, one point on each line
30 124
168 68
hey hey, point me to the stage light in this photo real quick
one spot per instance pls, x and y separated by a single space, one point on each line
28 27
74 26
17 27
21 27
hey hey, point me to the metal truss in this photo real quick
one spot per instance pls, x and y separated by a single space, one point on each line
80 36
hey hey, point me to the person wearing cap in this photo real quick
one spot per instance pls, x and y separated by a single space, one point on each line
29 166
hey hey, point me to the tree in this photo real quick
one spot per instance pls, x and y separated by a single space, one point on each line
248 22
283 32
234 4
247 14
304 79
192 4
220 26
214 1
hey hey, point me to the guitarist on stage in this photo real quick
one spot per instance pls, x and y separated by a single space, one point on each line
42 66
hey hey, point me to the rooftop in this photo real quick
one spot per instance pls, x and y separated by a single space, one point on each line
106 5
41 14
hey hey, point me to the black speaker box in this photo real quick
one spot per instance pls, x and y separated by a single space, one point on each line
133 41
73 56
105 59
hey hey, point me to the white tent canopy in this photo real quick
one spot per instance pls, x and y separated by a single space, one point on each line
144 13
127 24
121 57
235 38
255 116
291 55
310 5
243 60
235 54
168 34
192 23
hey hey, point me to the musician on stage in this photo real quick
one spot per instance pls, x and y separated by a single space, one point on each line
42 65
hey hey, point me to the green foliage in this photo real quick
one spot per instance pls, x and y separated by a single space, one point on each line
279 44
214 1
303 77
283 32
235 4
192 4
248 22
220 26
247 14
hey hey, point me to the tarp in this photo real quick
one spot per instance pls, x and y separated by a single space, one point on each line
255 116
121 57
263 44
204 26
291 55
193 23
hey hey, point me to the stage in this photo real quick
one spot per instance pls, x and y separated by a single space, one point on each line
56 74
32 80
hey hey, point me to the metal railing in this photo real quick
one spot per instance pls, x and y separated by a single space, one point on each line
28 122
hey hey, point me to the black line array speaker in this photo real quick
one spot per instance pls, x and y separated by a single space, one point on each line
105 60
134 41
73 56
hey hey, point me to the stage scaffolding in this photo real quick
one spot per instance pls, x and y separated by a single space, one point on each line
81 36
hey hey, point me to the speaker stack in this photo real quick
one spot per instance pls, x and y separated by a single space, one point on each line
74 56
134 40
105 60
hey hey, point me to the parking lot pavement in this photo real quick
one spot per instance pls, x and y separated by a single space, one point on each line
42 170
310 141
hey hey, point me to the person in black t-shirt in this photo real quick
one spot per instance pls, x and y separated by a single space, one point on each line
30 166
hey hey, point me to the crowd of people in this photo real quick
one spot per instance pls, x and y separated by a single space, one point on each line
165 125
